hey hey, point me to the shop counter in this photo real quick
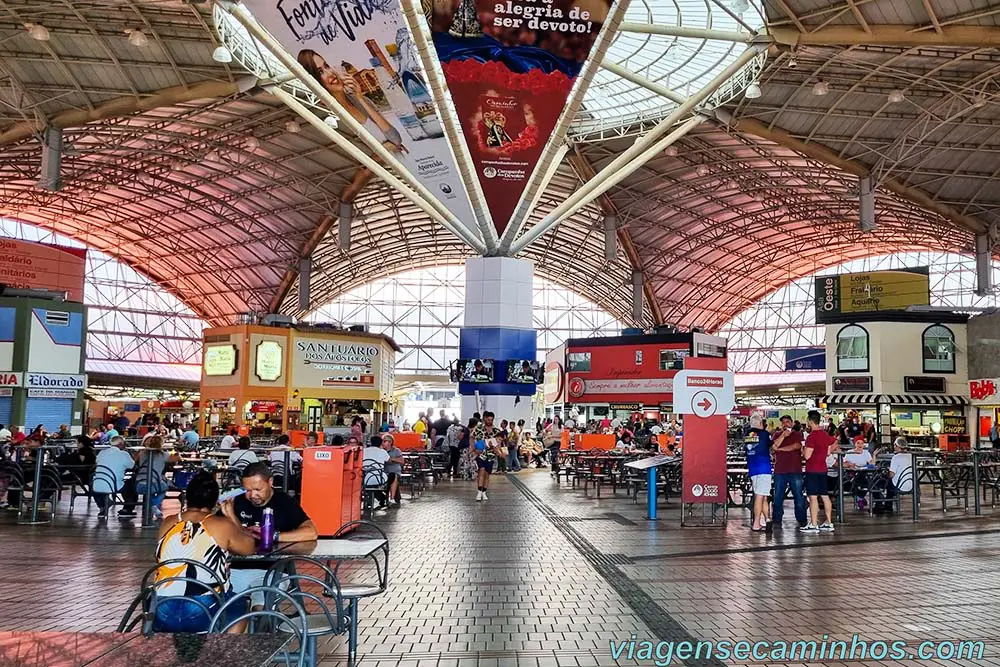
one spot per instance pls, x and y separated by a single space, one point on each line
331 486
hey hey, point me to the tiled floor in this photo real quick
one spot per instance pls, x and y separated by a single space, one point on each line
542 575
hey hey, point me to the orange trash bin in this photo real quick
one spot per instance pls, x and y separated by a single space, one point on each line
331 486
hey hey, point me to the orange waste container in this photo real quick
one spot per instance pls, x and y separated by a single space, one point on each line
331 486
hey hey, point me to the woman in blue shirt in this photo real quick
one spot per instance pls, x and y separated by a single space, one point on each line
758 444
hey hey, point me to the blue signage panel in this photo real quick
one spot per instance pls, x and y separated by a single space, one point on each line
806 359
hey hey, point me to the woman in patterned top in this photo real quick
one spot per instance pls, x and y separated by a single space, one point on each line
199 535
487 440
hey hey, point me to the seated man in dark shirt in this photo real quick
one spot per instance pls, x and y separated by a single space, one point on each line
291 523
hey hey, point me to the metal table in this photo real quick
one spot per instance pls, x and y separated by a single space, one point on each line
106 649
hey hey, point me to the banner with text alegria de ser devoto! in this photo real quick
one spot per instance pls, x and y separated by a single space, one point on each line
510 66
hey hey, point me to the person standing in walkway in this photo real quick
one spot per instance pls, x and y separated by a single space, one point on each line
487 439
552 439
818 445
453 439
758 446
514 448
787 447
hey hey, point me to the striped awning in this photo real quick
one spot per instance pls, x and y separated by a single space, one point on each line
923 399
851 399
893 399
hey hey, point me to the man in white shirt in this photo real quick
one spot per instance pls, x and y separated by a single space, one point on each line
374 459
229 442
109 475
5 433
900 469
243 456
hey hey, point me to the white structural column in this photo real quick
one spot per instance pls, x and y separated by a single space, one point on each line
498 325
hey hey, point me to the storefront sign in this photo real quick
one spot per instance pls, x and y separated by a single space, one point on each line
51 393
28 265
985 392
330 363
871 292
954 424
845 383
362 53
924 385
264 406
6 392
629 407
220 360
554 380
10 379
56 381
578 387
269 361
510 67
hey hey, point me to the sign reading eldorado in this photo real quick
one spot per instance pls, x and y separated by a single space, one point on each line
363 55
510 66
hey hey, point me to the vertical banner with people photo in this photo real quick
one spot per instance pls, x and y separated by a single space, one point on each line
510 66
363 54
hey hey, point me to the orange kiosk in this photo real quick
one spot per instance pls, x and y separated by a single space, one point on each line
331 486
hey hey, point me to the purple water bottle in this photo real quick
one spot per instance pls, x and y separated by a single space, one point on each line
267 530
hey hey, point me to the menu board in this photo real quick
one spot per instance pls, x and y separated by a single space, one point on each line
220 360
954 425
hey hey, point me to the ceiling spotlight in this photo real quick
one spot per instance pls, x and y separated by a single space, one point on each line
252 144
821 88
37 31
792 62
177 165
671 151
332 121
212 156
753 91
293 127
137 37
222 54
978 102
703 170
739 6
896 96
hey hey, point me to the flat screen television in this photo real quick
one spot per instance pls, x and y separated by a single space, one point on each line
474 370
522 371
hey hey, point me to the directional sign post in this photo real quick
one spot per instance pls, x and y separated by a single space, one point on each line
704 394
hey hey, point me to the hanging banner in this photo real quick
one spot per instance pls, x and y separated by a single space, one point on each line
510 66
362 53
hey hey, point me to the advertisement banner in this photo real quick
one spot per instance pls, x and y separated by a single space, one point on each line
362 53
704 463
806 359
871 292
27 265
510 67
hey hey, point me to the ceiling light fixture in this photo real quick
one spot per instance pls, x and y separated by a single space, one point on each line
37 31
293 127
222 55
177 165
792 62
703 170
978 102
740 6
332 121
821 88
137 37
252 144
896 96
212 156
671 151
753 91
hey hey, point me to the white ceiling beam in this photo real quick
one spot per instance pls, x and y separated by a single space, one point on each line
961 36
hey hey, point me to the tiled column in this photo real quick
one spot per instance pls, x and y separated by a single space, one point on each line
498 326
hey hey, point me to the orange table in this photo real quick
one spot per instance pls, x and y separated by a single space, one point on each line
408 440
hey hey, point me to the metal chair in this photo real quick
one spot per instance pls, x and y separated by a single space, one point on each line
269 620
105 477
231 479
373 480
352 593
283 575
147 600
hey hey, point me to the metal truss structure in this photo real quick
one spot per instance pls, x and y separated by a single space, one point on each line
129 318
423 311
199 176
786 319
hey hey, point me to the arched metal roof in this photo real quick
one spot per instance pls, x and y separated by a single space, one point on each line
179 166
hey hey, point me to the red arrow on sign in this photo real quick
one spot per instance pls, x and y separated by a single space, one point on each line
705 404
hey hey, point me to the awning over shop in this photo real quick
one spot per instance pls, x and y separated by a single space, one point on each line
858 400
